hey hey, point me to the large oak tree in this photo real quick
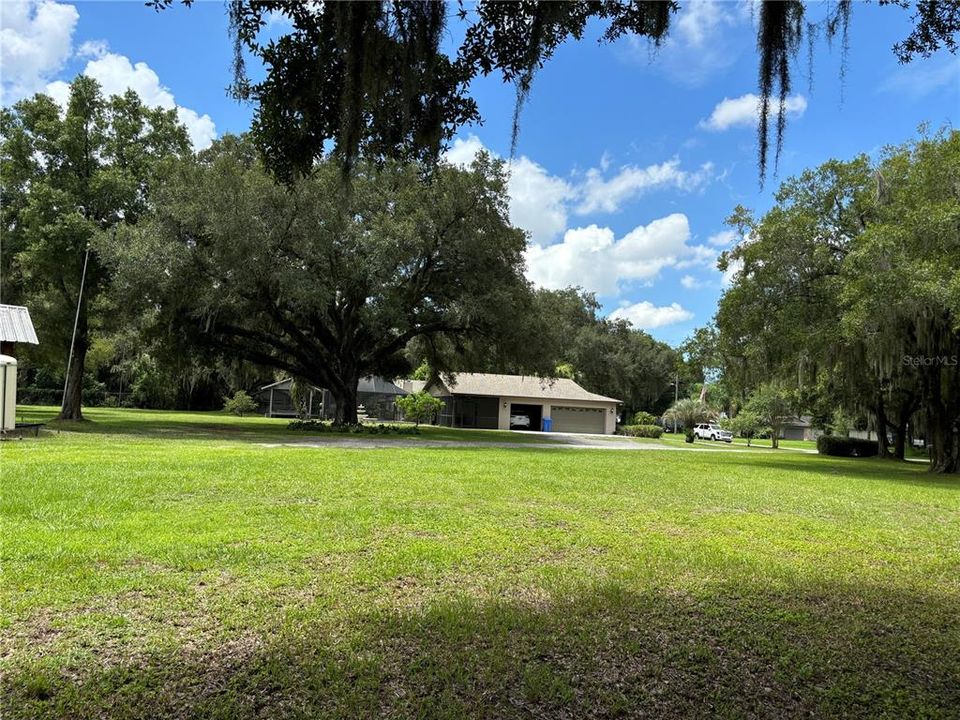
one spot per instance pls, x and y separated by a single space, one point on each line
328 285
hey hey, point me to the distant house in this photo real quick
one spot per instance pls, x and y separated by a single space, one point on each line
275 400
483 400
800 428
375 395
412 386
378 397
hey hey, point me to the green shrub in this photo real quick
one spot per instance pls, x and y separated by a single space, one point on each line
644 431
688 435
839 446
240 404
419 407
316 426
644 418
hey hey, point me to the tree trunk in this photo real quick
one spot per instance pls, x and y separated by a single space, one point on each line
883 446
70 409
775 437
345 397
900 441
943 419
944 433
903 421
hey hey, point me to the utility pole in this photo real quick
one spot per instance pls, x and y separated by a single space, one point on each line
76 319
676 398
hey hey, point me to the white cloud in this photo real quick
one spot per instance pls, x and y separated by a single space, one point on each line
36 40
464 150
35 43
93 48
59 91
744 111
690 282
116 74
699 45
593 258
722 239
608 195
647 316
538 200
924 76
701 20
730 274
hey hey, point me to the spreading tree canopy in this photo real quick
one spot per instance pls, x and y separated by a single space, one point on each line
373 78
68 177
848 290
326 285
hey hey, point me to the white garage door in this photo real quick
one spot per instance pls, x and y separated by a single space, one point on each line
577 420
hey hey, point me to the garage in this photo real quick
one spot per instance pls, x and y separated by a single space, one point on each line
577 419
532 413
522 402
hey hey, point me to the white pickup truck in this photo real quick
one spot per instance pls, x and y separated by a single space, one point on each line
710 431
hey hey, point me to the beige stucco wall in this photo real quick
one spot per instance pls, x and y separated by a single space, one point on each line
610 418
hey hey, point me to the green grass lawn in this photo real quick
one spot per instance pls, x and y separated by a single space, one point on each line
678 440
163 565
252 428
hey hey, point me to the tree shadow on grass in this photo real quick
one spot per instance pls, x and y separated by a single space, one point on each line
859 468
593 653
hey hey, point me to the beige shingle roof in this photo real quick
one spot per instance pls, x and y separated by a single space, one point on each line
526 386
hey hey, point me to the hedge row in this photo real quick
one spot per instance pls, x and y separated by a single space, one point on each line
316 426
644 431
846 446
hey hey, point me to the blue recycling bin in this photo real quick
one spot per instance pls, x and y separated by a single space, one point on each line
546 424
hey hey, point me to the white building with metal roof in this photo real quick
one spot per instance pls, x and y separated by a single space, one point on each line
16 326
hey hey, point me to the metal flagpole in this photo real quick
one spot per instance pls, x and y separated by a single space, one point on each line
76 320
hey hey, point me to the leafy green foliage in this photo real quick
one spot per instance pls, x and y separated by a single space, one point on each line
373 80
845 446
774 405
642 417
300 397
687 412
644 431
846 293
67 181
746 424
419 407
320 427
327 286
240 404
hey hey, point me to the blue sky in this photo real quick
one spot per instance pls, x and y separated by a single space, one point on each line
628 160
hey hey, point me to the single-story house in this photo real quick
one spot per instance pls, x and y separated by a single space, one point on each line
376 400
800 428
501 402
